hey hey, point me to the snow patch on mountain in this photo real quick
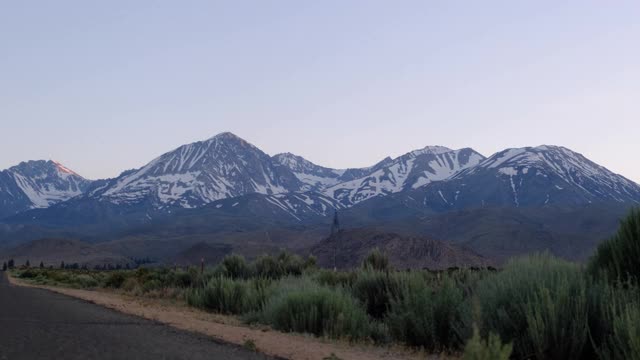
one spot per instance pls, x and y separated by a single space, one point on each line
413 170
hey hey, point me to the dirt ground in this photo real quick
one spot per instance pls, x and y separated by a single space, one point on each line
230 330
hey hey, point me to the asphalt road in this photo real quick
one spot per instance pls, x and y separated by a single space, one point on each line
39 324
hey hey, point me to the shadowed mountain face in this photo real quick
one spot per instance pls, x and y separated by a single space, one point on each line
349 248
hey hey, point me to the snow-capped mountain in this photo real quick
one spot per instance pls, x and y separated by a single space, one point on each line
226 166
412 170
319 178
38 184
196 174
532 176
314 177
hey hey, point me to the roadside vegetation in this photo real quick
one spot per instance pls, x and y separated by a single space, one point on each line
535 307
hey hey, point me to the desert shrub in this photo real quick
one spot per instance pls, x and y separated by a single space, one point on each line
425 316
284 264
335 278
268 267
311 262
615 320
29 274
115 280
236 267
130 284
619 257
489 349
291 264
540 304
152 284
85 281
183 279
375 290
376 260
229 296
299 305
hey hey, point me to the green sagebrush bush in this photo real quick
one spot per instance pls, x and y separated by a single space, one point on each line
115 279
615 320
236 267
619 257
540 304
300 305
285 264
489 349
335 278
428 316
229 296
376 260
375 290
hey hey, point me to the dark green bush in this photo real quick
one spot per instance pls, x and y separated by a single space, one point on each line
236 267
183 279
291 264
336 278
267 266
375 290
85 281
285 264
305 307
376 260
424 316
29 274
115 280
619 257
540 304
615 320
229 296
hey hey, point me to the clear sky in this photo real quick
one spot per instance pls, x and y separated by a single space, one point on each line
104 86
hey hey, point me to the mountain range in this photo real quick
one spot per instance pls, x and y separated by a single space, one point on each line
224 186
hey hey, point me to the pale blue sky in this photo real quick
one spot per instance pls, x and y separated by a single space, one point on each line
106 86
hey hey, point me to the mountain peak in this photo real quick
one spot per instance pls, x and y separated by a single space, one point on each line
38 184
434 149
227 135
64 169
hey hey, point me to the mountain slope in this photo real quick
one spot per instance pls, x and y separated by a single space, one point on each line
530 176
409 171
38 184
196 174
412 170
319 178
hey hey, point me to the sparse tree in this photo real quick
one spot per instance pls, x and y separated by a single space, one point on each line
62 265
27 264
11 264
41 265
4 266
